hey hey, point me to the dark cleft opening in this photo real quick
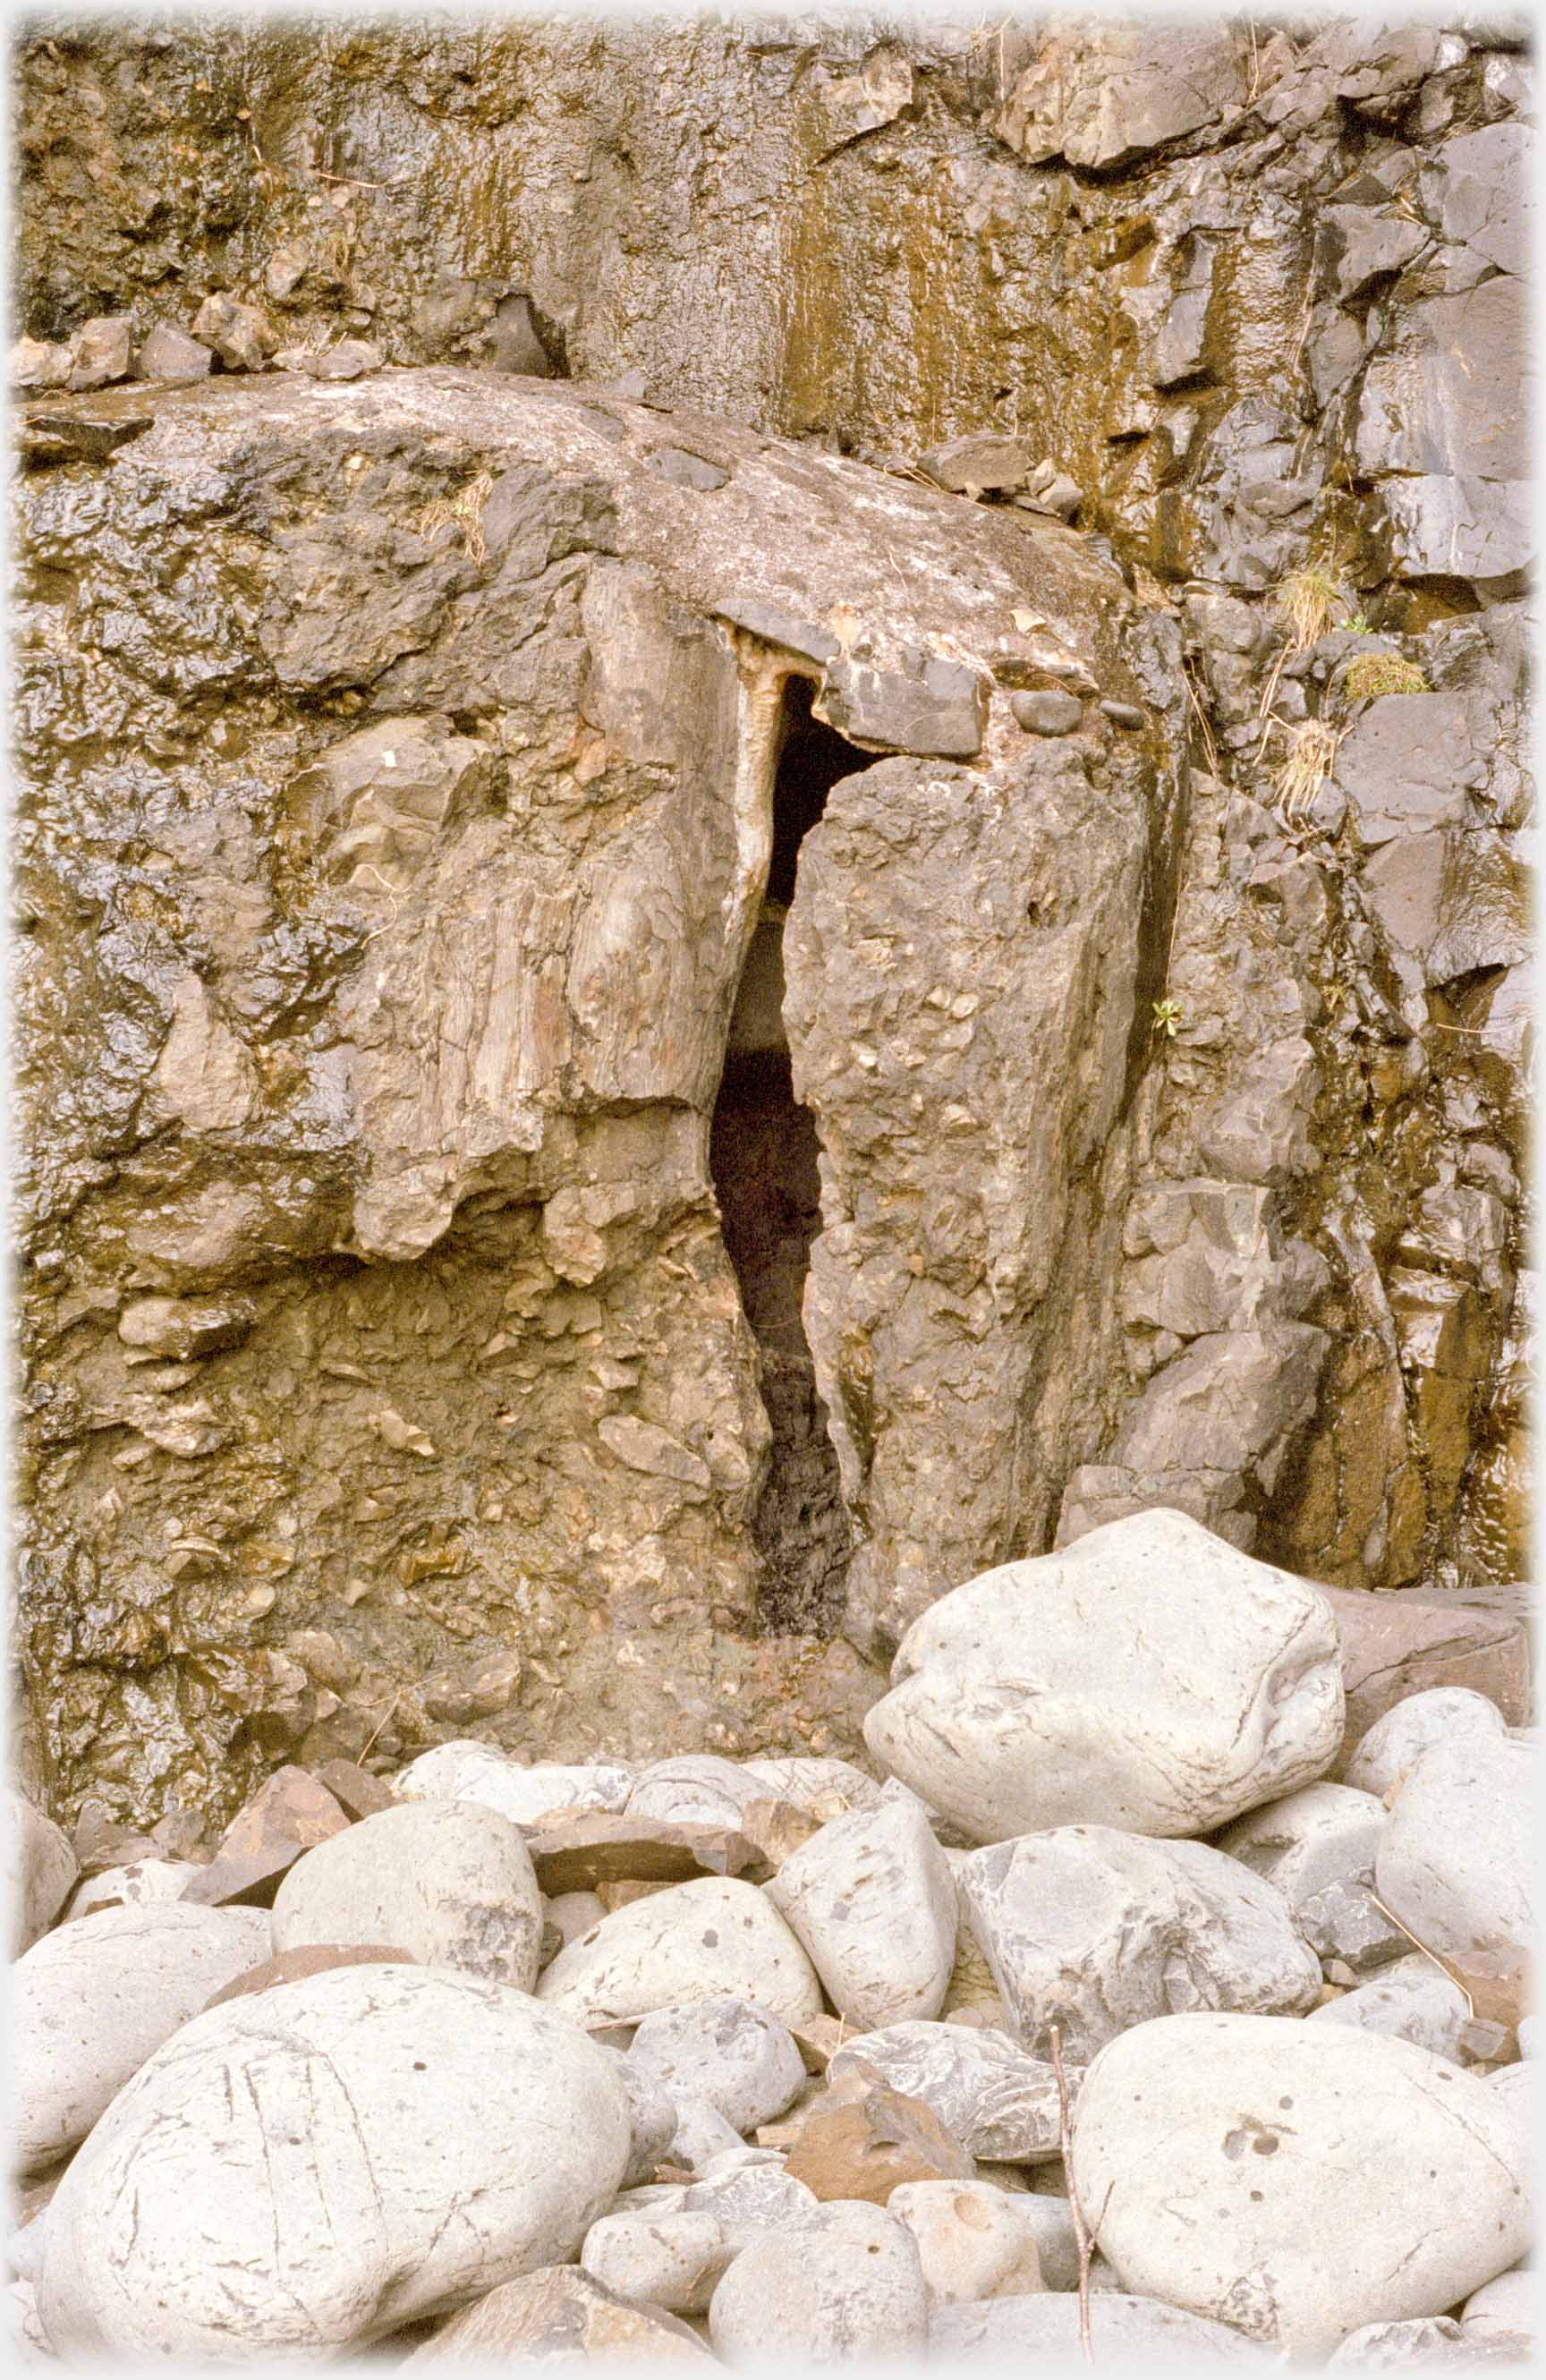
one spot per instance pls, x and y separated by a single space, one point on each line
763 1153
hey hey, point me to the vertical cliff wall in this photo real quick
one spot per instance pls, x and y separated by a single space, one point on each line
664 1015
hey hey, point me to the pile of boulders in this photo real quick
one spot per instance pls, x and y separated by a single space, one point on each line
1106 2007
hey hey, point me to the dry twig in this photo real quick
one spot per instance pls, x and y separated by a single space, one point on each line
1083 2235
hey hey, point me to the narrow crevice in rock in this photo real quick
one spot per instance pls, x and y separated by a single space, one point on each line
763 1156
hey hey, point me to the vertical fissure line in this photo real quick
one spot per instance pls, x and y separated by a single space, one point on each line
763 1153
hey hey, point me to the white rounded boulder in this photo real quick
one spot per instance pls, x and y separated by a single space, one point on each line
713 1937
449 1881
872 1900
1457 1856
1296 2180
1148 1676
319 2164
843 2284
1398 1739
93 1999
467 1770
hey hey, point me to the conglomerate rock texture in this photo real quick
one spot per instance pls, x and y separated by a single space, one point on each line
629 1076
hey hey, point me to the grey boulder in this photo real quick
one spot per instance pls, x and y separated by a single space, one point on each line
1458 1855
726 2051
973 2240
306 2169
872 1900
1411 1999
1147 2333
1322 1834
1276 2128
465 1770
711 1939
996 2101
1148 1676
673 2259
92 2001
448 1881
842 2284
41 1868
1395 1743
1091 1930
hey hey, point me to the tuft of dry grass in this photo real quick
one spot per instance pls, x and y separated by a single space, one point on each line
464 509
1311 752
1309 599
1369 675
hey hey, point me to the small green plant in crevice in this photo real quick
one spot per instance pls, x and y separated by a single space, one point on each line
1168 1017
1369 675
1358 625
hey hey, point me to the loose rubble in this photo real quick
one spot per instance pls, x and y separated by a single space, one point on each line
690 2120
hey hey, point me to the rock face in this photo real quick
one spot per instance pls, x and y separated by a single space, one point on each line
1266 2122
513 789
306 2147
1149 1677
1211 1200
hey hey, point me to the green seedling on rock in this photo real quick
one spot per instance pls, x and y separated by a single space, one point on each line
1168 1018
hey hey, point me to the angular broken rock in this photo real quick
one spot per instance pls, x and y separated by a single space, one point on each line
997 2101
560 2316
1148 1676
1322 1834
728 2051
168 354
467 1770
1456 1860
286 2177
1397 1646
579 1852
973 2240
691 1942
872 1900
41 363
241 337
290 1813
986 461
450 1882
1092 1931
842 2284
1186 2111
865 2140
40 1869
1395 1744
357 1793
100 351
92 2001
311 1959
934 707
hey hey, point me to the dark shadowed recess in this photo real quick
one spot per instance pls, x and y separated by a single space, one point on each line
763 1156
